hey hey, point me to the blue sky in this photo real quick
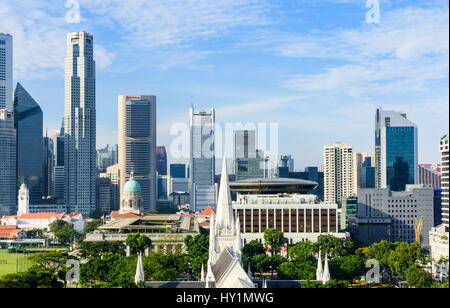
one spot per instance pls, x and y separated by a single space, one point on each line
316 68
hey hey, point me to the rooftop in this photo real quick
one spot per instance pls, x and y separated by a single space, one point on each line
272 186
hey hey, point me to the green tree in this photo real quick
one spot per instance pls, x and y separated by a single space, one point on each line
50 261
331 245
96 249
63 231
275 239
336 284
302 262
261 263
311 284
35 277
138 242
418 277
404 256
92 225
347 267
198 251
250 250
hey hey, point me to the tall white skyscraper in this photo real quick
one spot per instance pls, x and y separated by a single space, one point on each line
396 152
202 159
137 145
338 172
6 71
443 147
79 124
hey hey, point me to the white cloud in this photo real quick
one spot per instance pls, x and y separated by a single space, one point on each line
408 51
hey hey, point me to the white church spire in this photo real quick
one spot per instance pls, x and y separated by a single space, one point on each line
23 200
224 208
319 271
326 272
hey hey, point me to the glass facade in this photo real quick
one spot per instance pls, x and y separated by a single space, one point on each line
400 157
28 123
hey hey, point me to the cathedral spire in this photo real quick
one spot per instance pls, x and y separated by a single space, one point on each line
326 272
224 209
319 271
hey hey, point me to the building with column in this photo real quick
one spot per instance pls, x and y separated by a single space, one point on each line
28 122
202 159
247 161
391 215
8 179
6 71
137 145
396 150
338 173
80 124
285 205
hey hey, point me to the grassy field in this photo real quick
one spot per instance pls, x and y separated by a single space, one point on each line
13 263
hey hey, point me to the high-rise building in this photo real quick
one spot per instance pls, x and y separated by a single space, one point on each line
104 193
311 174
338 173
58 183
80 124
430 174
58 146
202 159
47 167
444 179
360 171
113 173
161 160
396 154
287 161
137 145
106 157
6 71
28 122
247 162
392 215
8 180
178 171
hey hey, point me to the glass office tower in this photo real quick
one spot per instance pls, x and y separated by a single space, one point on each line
395 150
28 123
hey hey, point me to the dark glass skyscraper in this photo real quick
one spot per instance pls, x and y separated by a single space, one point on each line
395 150
178 171
161 160
28 123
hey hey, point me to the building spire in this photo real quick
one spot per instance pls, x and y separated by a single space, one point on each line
326 272
319 271
224 209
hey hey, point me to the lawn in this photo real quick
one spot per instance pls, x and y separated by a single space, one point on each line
13 263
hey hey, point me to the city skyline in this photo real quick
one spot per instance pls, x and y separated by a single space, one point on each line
309 86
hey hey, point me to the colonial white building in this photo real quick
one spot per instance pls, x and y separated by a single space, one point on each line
224 263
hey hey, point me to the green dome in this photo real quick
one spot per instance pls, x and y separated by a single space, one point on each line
132 186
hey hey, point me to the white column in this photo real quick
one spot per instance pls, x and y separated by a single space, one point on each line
251 219
304 220
259 218
320 221
328 217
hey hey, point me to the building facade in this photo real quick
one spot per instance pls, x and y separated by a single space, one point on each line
107 156
338 173
6 71
8 180
202 159
247 161
396 150
392 215
80 124
28 122
429 174
178 171
161 160
363 171
137 145
445 178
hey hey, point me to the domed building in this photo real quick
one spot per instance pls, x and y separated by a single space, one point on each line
131 198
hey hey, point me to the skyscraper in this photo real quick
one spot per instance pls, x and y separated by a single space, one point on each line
430 174
106 157
8 180
444 179
396 154
28 123
338 172
358 173
178 171
80 124
161 160
247 162
202 159
137 145
47 167
6 71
